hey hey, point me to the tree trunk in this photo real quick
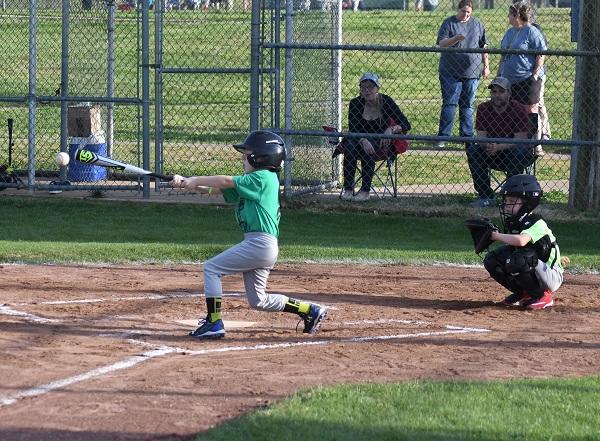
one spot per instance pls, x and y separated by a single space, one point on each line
584 188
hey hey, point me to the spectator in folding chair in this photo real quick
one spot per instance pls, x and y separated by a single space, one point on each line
370 112
500 117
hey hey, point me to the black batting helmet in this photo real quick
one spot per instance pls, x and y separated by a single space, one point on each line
525 187
265 149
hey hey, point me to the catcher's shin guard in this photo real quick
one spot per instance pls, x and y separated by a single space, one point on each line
523 260
520 266
494 263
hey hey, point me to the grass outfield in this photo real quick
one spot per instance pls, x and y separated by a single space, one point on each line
517 410
73 231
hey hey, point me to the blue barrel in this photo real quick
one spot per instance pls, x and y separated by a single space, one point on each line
79 172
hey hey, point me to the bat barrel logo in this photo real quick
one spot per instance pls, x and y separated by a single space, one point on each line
86 156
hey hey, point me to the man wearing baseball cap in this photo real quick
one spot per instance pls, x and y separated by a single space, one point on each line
500 117
500 81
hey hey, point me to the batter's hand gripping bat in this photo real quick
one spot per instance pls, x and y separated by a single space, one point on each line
88 157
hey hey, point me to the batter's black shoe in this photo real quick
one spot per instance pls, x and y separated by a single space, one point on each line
207 329
313 318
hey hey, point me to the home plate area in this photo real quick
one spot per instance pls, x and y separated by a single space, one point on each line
120 332
353 331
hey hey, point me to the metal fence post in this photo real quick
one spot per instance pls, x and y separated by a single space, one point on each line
32 98
277 65
584 187
159 9
289 37
255 62
64 82
337 86
145 97
110 75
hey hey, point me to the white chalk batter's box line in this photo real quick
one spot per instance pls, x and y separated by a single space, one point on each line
159 351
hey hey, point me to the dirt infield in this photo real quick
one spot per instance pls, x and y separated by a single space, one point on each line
101 353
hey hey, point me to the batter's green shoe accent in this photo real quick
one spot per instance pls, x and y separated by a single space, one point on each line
304 308
213 307
296 307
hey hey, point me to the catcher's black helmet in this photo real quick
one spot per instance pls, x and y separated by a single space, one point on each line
265 149
526 188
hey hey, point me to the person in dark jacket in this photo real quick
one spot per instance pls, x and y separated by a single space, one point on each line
370 112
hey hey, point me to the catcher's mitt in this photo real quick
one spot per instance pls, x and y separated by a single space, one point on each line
481 230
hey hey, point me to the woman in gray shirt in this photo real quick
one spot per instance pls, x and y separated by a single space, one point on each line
460 73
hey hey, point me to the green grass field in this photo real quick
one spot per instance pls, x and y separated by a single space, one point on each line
71 231
518 410
74 231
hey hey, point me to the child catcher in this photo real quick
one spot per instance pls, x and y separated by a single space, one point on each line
529 263
256 194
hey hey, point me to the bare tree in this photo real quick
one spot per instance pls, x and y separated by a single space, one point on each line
584 188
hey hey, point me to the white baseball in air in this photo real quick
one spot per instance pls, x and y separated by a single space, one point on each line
62 159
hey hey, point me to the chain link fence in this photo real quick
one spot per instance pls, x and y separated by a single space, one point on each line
70 78
398 41
171 87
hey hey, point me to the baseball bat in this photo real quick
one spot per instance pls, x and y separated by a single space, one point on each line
88 157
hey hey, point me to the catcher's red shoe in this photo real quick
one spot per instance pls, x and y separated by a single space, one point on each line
542 302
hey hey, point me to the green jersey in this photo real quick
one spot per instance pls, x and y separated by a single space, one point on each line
538 230
257 198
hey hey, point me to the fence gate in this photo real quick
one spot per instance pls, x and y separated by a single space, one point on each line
221 73
202 86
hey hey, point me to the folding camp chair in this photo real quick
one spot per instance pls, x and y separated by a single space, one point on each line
500 178
385 177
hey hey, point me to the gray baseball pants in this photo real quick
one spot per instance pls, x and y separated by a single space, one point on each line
254 257
551 278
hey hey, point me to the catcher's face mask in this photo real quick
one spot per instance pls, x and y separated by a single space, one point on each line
511 209
511 205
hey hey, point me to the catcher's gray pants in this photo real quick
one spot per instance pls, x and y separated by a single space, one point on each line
254 257
551 278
